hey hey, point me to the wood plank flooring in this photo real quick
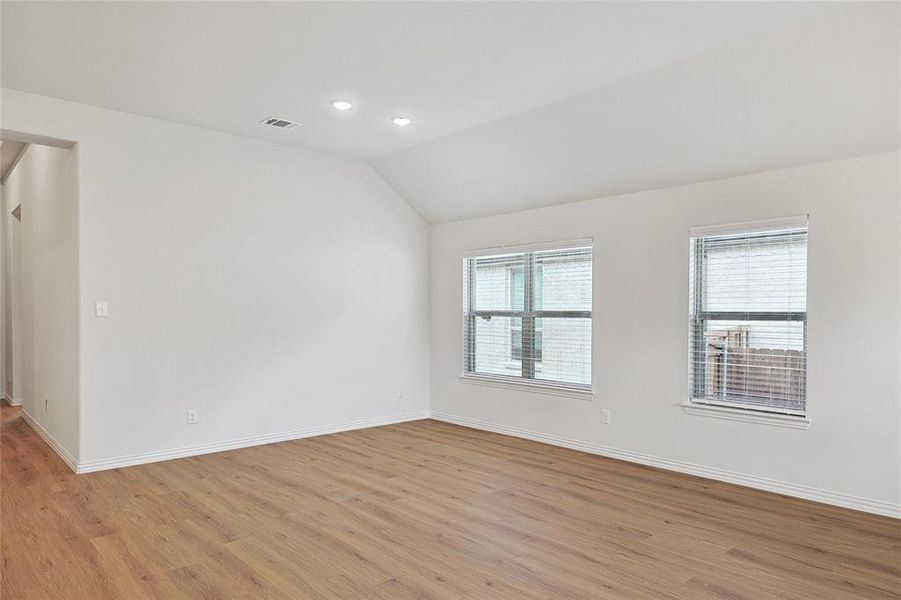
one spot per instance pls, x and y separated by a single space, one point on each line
418 510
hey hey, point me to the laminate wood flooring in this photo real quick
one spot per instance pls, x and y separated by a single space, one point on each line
418 510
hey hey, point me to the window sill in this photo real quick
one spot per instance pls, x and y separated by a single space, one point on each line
748 416
535 388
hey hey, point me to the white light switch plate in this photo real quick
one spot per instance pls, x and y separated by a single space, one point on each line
101 308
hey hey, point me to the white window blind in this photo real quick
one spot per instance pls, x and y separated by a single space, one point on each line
748 316
527 315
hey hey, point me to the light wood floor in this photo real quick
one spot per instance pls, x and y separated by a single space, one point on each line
419 510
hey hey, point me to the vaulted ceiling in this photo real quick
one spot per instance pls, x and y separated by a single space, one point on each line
514 105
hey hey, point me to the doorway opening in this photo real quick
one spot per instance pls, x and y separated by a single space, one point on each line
39 303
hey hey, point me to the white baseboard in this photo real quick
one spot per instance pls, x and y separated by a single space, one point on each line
51 441
10 401
878 507
196 450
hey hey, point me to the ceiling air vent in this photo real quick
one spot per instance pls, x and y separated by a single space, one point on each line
280 123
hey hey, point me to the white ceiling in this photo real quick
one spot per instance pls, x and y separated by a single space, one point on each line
822 89
514 104
451 65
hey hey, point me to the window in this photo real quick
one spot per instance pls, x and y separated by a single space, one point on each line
748 316
527 315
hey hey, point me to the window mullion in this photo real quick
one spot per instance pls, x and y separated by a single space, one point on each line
528 319
470 341
700 345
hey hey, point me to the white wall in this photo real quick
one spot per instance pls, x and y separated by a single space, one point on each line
851 449
5 298
10 291
45 319
274 289
15 330
5 341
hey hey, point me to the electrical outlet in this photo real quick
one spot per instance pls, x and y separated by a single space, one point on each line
101 309
400 394
605 416
192 416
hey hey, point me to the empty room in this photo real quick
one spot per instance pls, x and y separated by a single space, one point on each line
450 300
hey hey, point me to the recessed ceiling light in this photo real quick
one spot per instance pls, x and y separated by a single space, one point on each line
341 104
401 120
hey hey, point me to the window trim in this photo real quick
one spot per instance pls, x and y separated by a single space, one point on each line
537 386
744 227
731 413
528 315
700 404
522 248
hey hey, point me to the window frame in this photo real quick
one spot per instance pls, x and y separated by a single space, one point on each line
528 315
698 317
